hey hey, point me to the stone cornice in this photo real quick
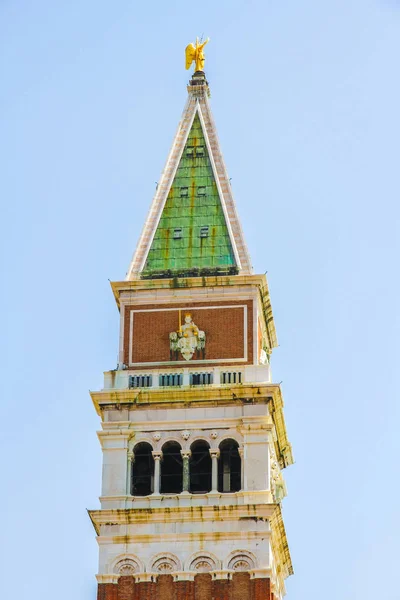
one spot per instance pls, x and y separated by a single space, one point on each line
280 546
183 396
137 285
181 514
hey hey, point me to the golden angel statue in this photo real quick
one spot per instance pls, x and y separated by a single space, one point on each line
196 54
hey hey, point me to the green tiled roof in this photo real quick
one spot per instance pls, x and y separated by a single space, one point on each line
192 236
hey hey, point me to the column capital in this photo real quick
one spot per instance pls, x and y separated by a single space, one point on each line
222 574
142 577
109 578
157 455
186 453
183 575
215 452
260 573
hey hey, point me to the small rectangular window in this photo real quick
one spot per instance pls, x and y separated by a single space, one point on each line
203 232
190 151
184 192
199 151
201 190
178 233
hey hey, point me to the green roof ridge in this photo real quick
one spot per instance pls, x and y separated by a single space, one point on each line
192 236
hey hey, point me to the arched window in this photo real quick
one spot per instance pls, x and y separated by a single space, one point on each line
142 483
200 467
229 467
171 468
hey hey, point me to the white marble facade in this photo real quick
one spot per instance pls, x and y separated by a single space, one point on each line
217 532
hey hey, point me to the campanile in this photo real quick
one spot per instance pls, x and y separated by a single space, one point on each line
192 426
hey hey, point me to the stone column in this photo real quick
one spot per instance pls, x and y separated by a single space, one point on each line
186 454
131 459
214 476
241 454
157 471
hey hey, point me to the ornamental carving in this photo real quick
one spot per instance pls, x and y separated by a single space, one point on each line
214 435
185 434
157 436
278 487
127 566
241 565
242 561
165 563
203 564
187 340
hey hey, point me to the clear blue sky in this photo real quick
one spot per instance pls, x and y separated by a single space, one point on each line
306 97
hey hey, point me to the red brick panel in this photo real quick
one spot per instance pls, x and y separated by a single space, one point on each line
221 589
224 329
241 588
184 590
126 588
165 588
107 591
146 590
203 587
261 589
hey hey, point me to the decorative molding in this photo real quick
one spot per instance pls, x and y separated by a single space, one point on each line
165 563
203 562
127 564
241 560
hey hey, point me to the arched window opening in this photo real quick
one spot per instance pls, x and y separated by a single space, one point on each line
142 483
229 467
171 469
200 467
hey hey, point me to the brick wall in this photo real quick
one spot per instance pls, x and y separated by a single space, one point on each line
240 587
224 328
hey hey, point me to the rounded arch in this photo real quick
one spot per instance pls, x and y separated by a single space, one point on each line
127 564
229 466
171 468
241 560
165 563
200 467
230 435
142 479
138 439
203 562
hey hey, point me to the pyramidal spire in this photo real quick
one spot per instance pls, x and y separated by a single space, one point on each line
192 228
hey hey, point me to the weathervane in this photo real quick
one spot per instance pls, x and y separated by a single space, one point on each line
196 54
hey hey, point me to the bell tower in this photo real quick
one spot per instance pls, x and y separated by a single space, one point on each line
192 427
